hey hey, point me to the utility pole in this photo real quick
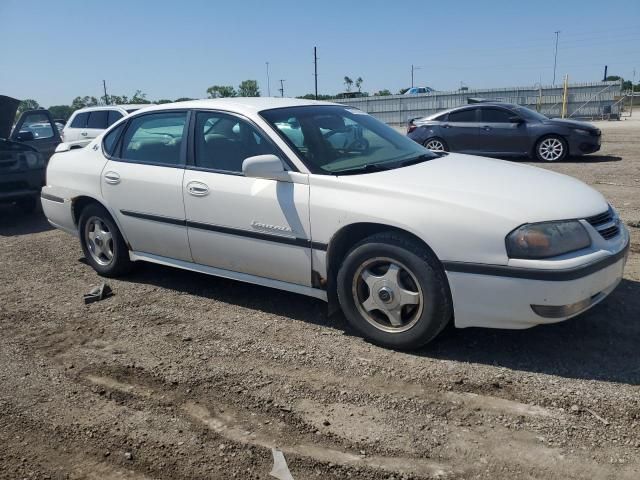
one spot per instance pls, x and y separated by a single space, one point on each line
268 81
106 97
315 69
555 58
281 87
632 82
413 67
604 79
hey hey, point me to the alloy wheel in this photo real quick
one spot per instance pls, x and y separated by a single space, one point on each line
99 240
551 149
435 145
387 294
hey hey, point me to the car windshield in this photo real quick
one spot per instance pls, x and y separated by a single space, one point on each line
335 140
529 114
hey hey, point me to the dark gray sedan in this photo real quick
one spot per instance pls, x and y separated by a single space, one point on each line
504 129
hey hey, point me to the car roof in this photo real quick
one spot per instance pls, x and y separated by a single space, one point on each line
246 105
472 105
132 106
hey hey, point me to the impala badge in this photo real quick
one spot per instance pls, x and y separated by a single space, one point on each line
264 226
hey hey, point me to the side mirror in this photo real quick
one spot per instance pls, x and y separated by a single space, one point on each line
516 119
25 136
265 166
63 147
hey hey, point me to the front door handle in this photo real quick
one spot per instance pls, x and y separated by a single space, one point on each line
84 134
112 177
446 125
197 189
486 128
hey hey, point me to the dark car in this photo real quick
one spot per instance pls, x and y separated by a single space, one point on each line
504 129
24 152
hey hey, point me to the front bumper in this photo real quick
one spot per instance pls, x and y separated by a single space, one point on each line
584 144
518 298
17 185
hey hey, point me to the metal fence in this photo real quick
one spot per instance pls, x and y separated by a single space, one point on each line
584 100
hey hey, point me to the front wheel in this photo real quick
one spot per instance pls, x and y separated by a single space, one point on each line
436 145
102 243
393 290
551 148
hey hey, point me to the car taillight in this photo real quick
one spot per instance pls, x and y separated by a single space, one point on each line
62 135
411 127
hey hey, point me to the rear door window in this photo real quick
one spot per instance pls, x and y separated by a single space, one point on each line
113 117
80 120
155 138
98 119
468 115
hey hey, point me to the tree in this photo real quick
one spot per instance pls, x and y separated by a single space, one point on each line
28 104
402 91
61 111
183 99
312 96
139 97
82 102
382 93
359 83
218 91
163 101
613 78
348 83
117 99
248 88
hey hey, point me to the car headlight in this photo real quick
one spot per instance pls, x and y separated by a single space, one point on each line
547 239
581 131
34 160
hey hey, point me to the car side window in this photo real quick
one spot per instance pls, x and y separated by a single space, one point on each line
38 124
223 142
495 115
98 119
155 138
113 117
111 140
468 115
80 120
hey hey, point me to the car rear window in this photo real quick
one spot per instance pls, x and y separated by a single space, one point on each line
98 119
80 120
111 140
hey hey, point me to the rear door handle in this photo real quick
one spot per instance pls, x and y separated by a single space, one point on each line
197 189
112 177
486 127
446 125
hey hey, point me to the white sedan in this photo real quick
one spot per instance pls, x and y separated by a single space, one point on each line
403 239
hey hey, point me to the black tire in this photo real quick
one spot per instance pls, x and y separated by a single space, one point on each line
445 147
120 262
553 138
428 273
27 204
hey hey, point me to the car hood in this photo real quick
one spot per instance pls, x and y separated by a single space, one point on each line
563 122
517 193
8 109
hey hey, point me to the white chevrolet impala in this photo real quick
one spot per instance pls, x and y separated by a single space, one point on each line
324 200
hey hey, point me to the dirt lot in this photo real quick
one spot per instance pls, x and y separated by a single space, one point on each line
185 376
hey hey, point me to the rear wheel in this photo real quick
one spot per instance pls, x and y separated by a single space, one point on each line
102 243
551 148
393 291
436 145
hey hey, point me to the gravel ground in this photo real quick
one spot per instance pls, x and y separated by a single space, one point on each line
185 376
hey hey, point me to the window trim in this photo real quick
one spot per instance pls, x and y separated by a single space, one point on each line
118 148
191 151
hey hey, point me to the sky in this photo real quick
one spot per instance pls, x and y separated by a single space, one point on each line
53 51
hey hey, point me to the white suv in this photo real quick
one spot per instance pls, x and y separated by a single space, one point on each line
404 239
87 123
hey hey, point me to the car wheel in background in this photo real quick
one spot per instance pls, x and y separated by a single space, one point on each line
551 148
393 290
102 243
436 145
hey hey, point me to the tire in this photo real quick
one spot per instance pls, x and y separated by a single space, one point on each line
436 144
551 148
418 276
105 250
27 204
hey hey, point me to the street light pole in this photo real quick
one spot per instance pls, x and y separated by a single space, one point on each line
555 58
281 87
413 67
268 81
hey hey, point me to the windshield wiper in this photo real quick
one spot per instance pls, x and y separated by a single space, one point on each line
420 159
366 168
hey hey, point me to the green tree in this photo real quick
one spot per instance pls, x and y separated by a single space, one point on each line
402 91
359 83
613 78
217 91
82 102
348 83
139 97
28 104
183 99
311 96
382 93
248 88
117 99
163 101
61 111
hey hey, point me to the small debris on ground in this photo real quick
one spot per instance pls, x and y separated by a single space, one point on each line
280 468
98 293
